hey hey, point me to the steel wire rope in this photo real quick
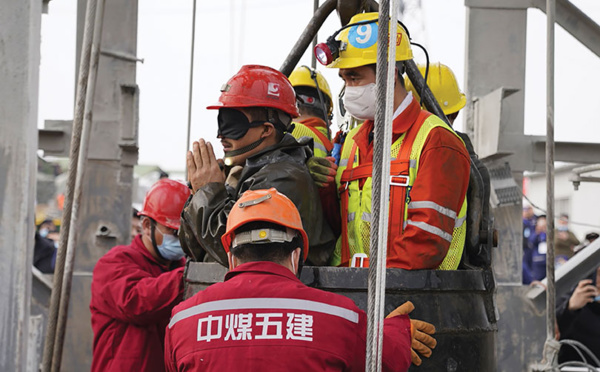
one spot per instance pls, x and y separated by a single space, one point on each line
83 151
578 345
381 187
82 82
191 87
551 346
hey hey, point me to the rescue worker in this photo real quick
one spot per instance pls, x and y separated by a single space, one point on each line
430 166
263 318
256 107
315 106
135 287
444 86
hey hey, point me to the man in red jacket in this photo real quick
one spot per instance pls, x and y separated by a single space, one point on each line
262 318
429 171
135 287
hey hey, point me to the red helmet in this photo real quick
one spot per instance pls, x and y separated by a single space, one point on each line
258 86
164 202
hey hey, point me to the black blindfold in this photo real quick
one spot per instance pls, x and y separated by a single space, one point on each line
233 124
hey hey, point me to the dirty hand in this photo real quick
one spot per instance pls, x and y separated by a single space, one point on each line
203 166
583 294
421 340
322 170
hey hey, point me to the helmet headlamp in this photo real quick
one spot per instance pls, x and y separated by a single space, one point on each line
329 51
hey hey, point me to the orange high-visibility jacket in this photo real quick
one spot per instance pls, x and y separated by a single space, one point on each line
422 239
316 129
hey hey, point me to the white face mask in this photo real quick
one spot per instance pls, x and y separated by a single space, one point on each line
359 101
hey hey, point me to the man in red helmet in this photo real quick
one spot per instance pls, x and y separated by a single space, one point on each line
135 287
262 318
256 108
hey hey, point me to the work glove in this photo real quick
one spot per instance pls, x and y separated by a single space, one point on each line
322 170
421 341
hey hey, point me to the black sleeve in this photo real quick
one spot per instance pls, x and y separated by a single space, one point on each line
43 254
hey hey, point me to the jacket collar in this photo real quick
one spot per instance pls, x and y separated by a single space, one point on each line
314 122
287 146
261 267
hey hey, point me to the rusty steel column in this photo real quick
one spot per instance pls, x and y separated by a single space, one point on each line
20 25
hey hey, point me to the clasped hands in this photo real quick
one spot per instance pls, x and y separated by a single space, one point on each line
203 166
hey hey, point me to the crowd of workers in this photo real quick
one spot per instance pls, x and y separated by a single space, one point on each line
277 201
577 312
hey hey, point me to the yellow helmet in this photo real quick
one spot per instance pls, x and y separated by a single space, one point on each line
358 43
443 85
303 77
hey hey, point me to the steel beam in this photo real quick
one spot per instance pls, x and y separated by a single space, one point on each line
20 27
575 22
570 152
55 138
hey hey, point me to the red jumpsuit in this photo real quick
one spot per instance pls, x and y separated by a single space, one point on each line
262 318
132 299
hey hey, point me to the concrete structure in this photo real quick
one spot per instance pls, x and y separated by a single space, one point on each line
105 216
582 206
495 83
20 23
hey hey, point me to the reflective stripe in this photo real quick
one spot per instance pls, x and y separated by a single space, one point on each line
366 217
459 222
431 229
320 146
343 162
413 163
266 303
351 216
431 205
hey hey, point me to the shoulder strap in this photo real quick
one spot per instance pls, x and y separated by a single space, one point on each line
323 138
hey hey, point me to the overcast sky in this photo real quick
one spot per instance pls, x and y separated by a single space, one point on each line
236 32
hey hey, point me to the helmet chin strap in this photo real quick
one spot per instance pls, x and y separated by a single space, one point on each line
230 154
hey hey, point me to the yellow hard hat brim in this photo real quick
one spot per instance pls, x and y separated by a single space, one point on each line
457 107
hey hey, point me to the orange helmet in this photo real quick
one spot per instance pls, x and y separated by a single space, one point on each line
165 201
267 206
258 86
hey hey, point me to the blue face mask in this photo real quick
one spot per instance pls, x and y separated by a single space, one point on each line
44 232
170 249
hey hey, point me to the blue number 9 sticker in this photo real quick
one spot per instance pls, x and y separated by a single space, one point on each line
363 36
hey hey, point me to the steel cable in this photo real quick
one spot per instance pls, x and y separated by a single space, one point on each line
83 151
191 88
82 82
550 352
380 190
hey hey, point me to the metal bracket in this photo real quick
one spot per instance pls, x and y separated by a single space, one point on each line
121 55
488 118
